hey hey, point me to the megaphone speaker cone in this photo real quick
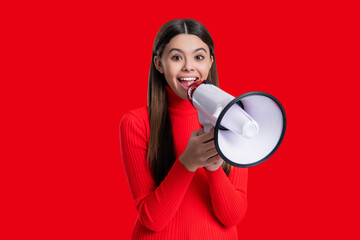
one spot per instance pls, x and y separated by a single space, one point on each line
248 129
240 150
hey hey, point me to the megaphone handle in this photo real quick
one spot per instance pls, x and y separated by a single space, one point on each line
207 125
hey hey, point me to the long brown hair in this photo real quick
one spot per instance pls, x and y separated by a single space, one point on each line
161 152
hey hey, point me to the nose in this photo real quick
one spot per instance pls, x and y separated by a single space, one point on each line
188 66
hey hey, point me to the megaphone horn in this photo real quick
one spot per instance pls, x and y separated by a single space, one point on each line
247 129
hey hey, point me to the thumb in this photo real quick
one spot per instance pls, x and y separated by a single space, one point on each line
199 132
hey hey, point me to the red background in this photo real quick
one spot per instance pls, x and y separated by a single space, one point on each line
72 69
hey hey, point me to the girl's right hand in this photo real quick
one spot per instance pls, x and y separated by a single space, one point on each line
200 150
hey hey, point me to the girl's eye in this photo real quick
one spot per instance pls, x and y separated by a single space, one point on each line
199 57
176 58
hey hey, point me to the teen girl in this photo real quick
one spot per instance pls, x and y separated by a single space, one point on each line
182 189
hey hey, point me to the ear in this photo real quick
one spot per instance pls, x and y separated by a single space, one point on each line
158 64
211 61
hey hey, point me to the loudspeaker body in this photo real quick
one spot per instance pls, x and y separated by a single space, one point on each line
247 129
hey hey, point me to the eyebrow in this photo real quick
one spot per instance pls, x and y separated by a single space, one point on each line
179 50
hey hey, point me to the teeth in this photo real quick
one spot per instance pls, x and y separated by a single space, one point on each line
188 79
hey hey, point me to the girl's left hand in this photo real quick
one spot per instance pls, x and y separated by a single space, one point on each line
215 165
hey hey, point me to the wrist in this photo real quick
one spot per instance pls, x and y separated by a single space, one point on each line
186 165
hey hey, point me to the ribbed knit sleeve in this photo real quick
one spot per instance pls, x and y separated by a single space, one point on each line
229 194
156 205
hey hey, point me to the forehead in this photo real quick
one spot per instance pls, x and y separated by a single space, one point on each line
186 42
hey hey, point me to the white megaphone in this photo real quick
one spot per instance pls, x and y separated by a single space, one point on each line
247 129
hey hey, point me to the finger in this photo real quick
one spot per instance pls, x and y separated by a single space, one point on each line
213 159
206 137
209 145
211 153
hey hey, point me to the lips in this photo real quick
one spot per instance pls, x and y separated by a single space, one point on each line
185 82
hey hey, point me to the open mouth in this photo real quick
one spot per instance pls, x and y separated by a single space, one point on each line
187 81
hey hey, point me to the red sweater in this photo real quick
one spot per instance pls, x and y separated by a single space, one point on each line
186 205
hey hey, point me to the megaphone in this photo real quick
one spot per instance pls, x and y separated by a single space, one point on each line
247 129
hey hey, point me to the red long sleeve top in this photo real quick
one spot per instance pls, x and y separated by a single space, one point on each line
186 205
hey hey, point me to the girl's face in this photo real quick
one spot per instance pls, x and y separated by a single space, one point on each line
185 59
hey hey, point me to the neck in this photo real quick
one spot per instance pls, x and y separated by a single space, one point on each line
174 101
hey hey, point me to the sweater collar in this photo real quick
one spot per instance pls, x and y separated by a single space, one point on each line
174 101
